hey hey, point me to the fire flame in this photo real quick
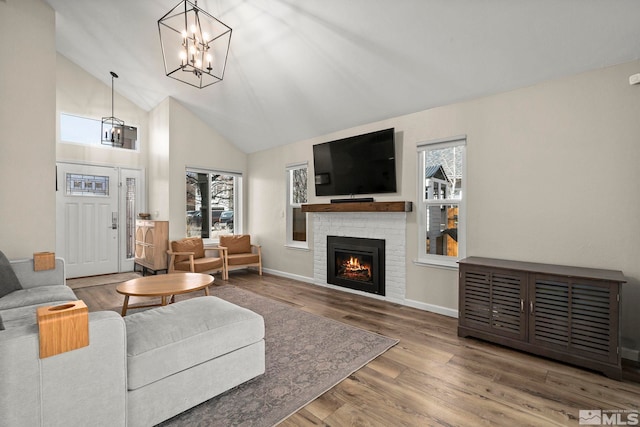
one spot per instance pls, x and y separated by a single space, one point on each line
355 270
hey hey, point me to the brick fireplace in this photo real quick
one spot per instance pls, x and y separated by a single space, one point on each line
387 226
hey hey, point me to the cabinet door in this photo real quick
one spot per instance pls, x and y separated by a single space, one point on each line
579 316
493 300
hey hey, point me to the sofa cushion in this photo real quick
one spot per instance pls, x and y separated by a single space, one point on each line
8 280
170 339
190 244
35 296
243 259
199 264
236 244
21 316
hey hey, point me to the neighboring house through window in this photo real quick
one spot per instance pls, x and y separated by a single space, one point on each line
296 196
441 221
214 203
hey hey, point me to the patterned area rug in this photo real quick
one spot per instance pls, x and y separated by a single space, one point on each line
106 279
306 355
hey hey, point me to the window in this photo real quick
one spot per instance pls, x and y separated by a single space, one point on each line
296 196
214 204
82 130
87 185
440 208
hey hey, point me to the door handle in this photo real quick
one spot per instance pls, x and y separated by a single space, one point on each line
114 220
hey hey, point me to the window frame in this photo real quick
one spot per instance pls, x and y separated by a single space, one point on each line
423 204
237 199
291 205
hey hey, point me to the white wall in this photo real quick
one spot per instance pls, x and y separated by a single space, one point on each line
27 120
551 175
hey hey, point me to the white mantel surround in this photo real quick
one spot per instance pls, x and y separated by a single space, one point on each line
390 226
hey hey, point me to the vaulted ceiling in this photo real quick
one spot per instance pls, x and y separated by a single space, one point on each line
300 69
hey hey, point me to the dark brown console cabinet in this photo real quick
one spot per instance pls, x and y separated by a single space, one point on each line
570 314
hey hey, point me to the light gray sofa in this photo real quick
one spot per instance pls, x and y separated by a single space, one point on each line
136 371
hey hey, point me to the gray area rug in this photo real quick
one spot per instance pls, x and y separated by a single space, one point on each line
306 355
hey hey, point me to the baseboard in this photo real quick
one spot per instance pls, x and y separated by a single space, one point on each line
449 312
630 354
288 275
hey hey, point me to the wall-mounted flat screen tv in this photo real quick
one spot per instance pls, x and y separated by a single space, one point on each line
362 164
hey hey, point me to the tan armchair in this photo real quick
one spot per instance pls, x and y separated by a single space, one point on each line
190 255
240 253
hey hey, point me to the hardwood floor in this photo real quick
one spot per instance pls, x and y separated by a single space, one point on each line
432 377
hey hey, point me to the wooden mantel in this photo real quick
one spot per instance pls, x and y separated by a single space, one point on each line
359 207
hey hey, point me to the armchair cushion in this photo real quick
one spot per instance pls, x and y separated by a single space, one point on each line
190 244
199 264
240 244
8 280
243 259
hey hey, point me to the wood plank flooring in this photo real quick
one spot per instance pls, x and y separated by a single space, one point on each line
432 377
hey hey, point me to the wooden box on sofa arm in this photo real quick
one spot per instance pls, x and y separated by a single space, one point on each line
190 255
239 252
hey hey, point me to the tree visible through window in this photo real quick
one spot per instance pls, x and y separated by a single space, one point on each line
212 203
297 195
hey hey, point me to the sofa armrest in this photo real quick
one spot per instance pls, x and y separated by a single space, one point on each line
29 278
86 386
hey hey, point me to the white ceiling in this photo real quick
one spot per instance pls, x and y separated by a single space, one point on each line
305 68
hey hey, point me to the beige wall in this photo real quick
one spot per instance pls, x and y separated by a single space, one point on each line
158 164
194 144
550 177
27 120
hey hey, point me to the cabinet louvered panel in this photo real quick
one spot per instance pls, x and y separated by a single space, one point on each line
551 312
477 298
493 301
574 316
507 304
590 319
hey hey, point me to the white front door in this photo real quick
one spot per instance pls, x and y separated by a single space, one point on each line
87 219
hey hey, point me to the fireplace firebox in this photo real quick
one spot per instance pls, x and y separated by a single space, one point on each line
356 263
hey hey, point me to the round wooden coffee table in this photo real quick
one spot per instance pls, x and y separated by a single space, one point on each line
163 285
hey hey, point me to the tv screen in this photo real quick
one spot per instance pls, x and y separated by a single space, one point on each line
363 164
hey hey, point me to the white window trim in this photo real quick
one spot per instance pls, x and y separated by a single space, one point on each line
423 258
289 242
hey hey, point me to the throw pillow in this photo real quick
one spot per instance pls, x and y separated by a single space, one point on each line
8 280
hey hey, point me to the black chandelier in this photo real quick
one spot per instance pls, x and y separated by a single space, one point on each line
195 45
112 129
